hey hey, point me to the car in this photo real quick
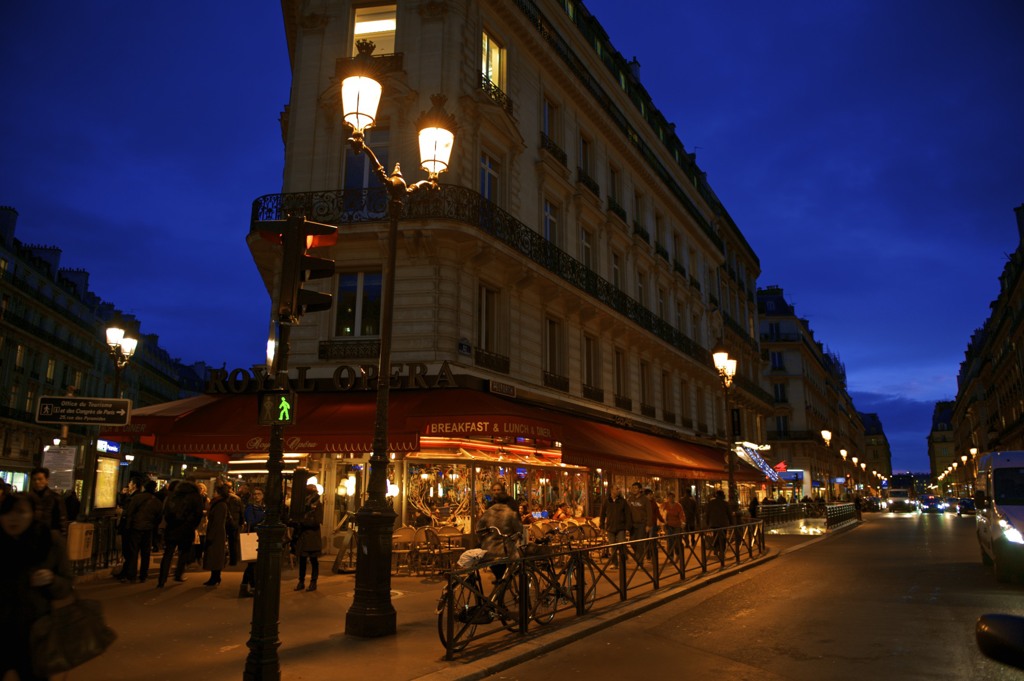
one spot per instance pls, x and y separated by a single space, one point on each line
932 504
871 504
965 505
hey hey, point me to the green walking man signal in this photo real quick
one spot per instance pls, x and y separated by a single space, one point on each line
276 408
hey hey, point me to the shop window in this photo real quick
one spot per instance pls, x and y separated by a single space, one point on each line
358 306
376 23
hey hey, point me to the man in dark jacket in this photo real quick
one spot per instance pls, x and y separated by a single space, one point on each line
236 509
50 508
183 511
718 514
141 517
615 516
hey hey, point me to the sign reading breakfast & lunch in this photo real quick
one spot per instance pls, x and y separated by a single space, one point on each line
492 426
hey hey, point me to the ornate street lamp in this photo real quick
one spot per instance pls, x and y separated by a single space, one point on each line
843 453
121 348
371 613
726 367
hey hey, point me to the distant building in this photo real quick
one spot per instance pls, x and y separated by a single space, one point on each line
988 413
808 386
52 341
942 452
876 445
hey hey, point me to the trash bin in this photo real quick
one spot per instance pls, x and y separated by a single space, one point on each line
80 540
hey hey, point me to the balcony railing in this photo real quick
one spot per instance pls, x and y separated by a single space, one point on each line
639 231
668 416
623 402
557 382
592 393
491 360
662 251
678 268
496 94
648 410
694 283
587 181
460 204
548 145
614 207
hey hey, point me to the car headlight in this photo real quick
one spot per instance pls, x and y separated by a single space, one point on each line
1011 533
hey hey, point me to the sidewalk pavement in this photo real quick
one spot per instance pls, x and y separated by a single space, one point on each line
186 630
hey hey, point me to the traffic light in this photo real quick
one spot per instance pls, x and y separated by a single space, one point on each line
277 407
298 235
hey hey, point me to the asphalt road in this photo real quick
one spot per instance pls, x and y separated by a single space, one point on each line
896 598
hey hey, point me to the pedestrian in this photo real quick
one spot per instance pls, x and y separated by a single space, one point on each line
234 526
199 549
141 517
50 508
656 519
614 519
674 520
218 517
753 506
34 571
639 517
252 516
718 515
500 496
308 542
689 505
123 531
183 511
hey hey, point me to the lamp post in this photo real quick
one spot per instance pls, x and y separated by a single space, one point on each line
120 347
726 367
371 613
843 453
863 471
826 435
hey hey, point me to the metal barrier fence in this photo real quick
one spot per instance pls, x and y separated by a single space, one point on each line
561 583
836 514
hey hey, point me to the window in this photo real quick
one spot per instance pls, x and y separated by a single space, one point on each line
780 392
376 24
551 211
12 399
19 357
617 271
51 368
586 248
591 367
782 425
488 319
620 373
684 399
774 330
638 208
702 421
549 120
614 180
667 403
553 353
358 306
78 380
489 169
777 362
661 302
645 382
493 66
585 153
641 280
359 171
30 400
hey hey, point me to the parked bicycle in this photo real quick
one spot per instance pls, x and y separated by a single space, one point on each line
565 578
466 603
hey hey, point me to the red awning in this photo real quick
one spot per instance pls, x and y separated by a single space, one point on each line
594 445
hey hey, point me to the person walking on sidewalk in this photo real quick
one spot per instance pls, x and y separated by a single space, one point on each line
252 516
640 520
308 543
218 518
50 509
183 511
719 515
674 519
141 517
689 505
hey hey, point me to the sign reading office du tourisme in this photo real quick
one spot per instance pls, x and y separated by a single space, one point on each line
84 411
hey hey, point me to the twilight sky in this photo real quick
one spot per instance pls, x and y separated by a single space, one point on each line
871 152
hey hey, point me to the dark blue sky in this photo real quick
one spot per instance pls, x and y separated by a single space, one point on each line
871 152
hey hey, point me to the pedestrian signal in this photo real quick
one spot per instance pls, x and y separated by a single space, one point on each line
277 408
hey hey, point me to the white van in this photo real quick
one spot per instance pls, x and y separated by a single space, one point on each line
999 497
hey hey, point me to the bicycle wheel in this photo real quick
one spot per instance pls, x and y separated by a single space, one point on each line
545 594
569 583
465 613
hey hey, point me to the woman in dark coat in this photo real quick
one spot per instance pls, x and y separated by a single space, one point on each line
183 511
218 517
34 570
308 543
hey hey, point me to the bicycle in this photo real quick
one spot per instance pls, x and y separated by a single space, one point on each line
561 587
470 606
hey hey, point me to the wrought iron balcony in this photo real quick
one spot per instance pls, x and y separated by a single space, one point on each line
614 207
548 145
496 94
679 269
639 231
557 382
587 181
491 360
668 416
662 251
623 402
648 409
460 204
592 393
